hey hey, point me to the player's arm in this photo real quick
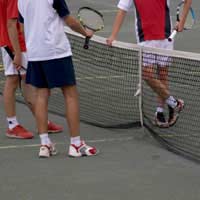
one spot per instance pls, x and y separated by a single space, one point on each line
12 18
75 25
62 9
187 5
116 26
13 36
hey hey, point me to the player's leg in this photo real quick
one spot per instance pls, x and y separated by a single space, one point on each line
154 83
166 61
77 147
30 98
15 130
37 78
160 87
72 110
176 105
60 73
29 93
160 119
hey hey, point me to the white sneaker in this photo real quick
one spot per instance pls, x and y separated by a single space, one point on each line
82 150
47 150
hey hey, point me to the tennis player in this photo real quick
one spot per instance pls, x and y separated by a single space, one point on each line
50 65
153 27
11 37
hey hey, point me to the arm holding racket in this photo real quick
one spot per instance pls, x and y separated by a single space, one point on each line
92 20
185 18
76 26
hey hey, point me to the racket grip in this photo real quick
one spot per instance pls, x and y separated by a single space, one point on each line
172 36
86 45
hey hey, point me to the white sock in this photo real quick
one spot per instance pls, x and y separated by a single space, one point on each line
75 141
12 122
44 138
171 101
159 109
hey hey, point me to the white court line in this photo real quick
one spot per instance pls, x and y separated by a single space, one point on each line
120 139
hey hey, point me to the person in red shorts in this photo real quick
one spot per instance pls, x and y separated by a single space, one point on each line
12 38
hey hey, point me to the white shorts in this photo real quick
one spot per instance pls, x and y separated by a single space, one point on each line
153 58
9 68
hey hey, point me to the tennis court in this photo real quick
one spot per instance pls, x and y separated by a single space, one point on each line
131 165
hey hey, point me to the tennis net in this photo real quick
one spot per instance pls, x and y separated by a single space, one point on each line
184 83
108 77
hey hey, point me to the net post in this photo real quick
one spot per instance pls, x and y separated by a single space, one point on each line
140 87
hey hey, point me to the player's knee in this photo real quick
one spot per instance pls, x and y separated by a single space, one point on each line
70 92
147 74
147 77
12 82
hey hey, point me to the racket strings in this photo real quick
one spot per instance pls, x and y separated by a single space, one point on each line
91 19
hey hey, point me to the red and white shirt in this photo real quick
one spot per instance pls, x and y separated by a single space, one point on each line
152 18
9 10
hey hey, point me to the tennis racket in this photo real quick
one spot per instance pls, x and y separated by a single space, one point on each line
190 20
90 19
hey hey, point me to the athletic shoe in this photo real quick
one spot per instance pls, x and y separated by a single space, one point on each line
174 112
47 150
82 150
19 132
54 128
160 120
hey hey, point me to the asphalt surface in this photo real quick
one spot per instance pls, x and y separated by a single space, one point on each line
131 164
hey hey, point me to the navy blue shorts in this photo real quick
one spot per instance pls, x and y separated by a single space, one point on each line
51 73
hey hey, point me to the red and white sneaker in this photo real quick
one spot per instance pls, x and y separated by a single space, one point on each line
174 112
82 150
19 132
47 150
54 128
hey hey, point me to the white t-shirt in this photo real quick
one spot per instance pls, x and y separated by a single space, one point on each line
44 29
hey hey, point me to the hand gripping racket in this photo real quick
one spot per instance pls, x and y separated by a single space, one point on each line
90 19
190 20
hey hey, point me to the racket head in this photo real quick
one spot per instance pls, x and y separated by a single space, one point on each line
91 18
191 18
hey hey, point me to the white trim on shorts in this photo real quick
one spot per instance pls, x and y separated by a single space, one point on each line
153 59
9 68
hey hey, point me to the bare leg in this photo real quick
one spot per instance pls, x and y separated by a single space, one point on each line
159 88
72 109
29 93
73 120
41 109
10 87
163 77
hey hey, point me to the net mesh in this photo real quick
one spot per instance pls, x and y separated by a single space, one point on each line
107 79
184 73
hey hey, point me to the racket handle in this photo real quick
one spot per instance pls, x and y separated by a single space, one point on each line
172 36
86 45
